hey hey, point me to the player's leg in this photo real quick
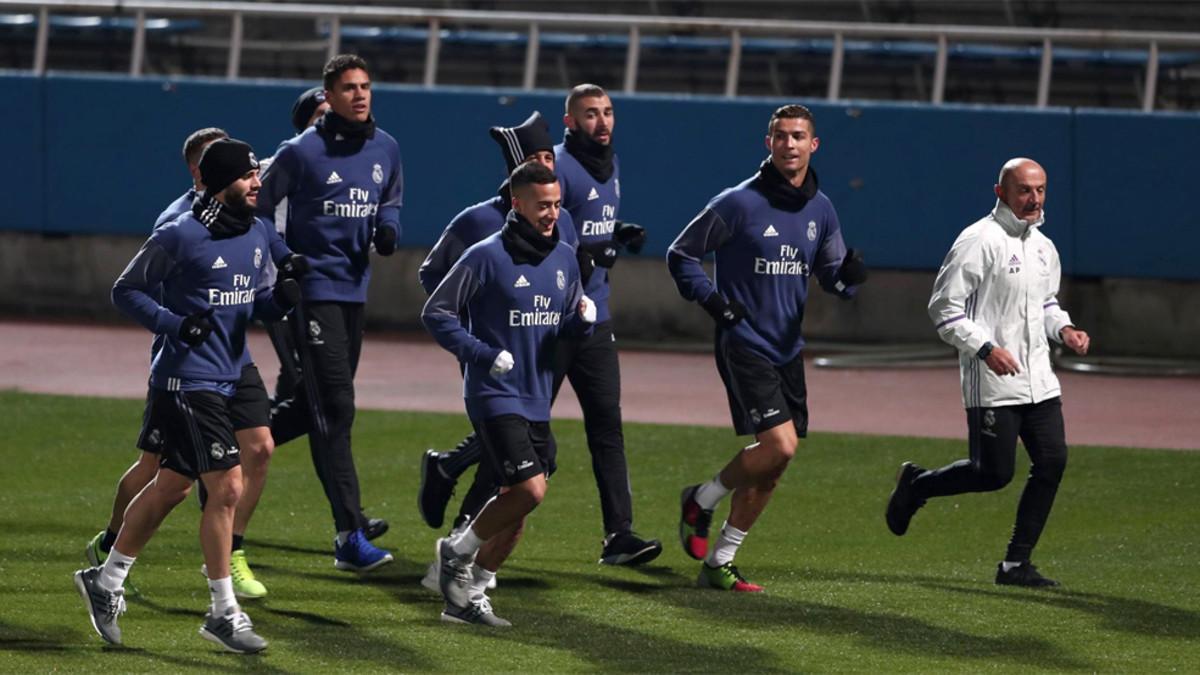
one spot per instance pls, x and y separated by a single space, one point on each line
440 472
1044 435
249 413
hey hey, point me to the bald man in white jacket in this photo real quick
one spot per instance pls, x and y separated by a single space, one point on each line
995 300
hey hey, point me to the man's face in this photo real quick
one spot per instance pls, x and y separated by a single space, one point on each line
1024 191
351 95
792 144
539 204
593 115
242 194
325 106
543 157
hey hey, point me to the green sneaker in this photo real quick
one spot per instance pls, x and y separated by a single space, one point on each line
726 578
245 586
96 557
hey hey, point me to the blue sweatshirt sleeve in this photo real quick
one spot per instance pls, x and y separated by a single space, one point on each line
278 182
448 249
705 234
442 317
137 288
829 259
392 197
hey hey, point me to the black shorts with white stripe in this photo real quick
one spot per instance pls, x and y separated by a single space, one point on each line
761 394
196 429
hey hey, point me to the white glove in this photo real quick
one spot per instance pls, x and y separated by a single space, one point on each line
503 363
587 309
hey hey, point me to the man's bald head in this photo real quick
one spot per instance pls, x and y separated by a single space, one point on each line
1022 186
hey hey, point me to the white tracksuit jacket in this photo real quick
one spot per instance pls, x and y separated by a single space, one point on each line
998 284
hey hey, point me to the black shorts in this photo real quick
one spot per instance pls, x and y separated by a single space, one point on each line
150 437
249 408
515 449
761 394
196 431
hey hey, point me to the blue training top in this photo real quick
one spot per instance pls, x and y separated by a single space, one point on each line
593 206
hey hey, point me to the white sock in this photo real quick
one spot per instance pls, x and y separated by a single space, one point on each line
479 581
343 536
709 494
467 543
727 545
1006 565
115 569
222 595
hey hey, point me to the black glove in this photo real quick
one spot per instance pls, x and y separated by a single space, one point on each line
603 253
385 240
727 313
294 266
196 328
631 236
586 265
854 270
286 294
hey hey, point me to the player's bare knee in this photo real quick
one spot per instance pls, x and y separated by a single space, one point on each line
224 489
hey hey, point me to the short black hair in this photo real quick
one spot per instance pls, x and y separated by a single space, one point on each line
340 64
193 147
583 91
791 111
530 173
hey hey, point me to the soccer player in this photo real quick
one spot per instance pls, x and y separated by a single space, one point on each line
995 300
770 233
249 418
207 266
343 182
499 309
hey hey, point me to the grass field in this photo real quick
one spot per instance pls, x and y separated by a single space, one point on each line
843 593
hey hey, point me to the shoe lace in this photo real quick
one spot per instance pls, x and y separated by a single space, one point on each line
115 605
240 622
732 570
481 605
240 570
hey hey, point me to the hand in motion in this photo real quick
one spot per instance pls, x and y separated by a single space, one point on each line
1002 362
196 328
503 363
1077 340
385 240
587 309
294 266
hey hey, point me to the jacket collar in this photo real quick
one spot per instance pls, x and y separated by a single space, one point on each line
1014 226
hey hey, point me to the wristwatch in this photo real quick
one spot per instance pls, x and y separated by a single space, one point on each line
985 350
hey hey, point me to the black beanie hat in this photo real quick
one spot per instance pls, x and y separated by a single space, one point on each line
305 106
223 162
519 142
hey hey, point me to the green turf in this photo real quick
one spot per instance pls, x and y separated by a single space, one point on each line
843 593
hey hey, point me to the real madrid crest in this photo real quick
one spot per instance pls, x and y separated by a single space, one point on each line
562 280
377 174
812 230
257 258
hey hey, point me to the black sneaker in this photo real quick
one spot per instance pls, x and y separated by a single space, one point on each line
693 524
375 528
1024 574
626 548
902 504
435 491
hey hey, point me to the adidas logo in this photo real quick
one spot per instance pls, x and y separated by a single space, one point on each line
521 282
770 231
219 263
1014 260
333 179
593 195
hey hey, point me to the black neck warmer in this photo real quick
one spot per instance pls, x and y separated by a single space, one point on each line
334 127
222 221
524 244
596 159
780 193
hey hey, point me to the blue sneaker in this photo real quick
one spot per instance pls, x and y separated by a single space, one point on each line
358 554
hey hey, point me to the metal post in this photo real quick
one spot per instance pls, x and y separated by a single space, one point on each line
939 71
631 59
432 46
139 45
235 47
531 58
836 64
1043 95
1151 78
43 37
734 67
335 37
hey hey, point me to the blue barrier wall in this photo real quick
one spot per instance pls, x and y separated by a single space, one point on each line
102 155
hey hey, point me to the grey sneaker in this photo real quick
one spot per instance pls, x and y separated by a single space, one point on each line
478 611
233 631
103 605
454 575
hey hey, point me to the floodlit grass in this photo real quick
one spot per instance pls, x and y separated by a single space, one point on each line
842 592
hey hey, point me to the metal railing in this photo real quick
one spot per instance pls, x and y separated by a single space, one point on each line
736 29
